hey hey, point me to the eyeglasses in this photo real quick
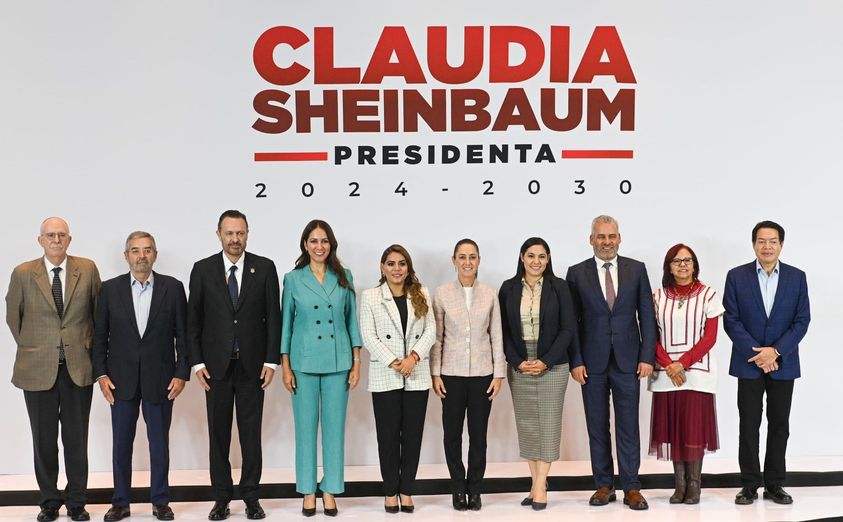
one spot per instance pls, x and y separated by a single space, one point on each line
682 261
54 235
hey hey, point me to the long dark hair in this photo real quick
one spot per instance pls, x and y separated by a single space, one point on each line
412 286
333 261
548 271
668 280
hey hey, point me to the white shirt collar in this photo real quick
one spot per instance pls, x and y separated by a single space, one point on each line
49 266
600 262
150 281
228 264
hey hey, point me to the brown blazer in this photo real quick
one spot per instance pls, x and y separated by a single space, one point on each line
34 321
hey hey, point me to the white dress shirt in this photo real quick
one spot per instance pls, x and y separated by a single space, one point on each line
601 274
62 274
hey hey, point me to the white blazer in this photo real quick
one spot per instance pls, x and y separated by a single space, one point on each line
380 329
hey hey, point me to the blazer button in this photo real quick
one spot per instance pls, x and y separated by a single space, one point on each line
330 306
332 336
315 307
318 322
389 337
330 321
417 336
320 337
235 321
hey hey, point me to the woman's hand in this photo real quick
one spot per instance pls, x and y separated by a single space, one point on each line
354 374
494 388
439 387
406 365
287 375
676 372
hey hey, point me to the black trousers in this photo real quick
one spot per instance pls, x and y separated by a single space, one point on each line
750 407
399 421
69 405
466 394
243 390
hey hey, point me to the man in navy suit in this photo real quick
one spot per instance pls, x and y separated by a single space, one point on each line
767 315
617 335
139 357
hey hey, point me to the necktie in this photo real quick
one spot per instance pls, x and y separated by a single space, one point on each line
235 298
59 300
232 286
610 286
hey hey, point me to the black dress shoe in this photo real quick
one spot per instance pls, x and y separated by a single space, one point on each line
47 514
408 508
220 511
459 502
778 495
114 513
163 512
254 511
746 496
330 512
306 511
474 502
79 514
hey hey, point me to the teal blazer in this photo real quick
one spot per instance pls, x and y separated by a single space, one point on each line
318 322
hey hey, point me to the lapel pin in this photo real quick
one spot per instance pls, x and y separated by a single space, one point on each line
252 270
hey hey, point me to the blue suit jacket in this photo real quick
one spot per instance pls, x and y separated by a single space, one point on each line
628 329
747 325
318 322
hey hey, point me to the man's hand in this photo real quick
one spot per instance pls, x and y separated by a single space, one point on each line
765 359
644 370
580 374
105 387
266 376
175 388
202 376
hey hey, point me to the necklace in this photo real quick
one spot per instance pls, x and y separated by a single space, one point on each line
683 298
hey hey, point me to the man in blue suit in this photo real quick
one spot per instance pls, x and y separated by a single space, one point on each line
140 362
767 314
617 335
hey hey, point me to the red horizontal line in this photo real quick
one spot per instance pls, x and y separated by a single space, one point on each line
595 154
291 156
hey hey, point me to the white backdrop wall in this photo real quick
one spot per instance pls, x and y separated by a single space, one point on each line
123 116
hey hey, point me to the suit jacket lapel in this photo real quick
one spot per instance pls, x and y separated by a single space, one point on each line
159 291
781 288
594 281
70 281
330 282
43 281
221 275
245 280
547 289
124 291
513 303
755 287
392 309
624 276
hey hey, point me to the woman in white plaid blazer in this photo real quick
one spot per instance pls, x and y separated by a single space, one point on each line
398 329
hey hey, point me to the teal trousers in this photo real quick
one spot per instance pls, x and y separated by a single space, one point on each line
320 398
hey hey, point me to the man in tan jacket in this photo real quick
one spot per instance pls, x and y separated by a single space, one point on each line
50 310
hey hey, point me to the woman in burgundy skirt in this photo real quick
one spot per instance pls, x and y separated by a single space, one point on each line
684 420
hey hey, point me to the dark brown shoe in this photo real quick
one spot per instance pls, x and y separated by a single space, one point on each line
163 512
678 496
602 496
635 500
48 514
694 482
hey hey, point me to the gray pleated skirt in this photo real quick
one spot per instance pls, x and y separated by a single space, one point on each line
537 402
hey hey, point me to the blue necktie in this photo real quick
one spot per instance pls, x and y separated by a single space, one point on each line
235 298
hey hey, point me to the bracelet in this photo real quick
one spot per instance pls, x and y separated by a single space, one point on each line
356 359
415 356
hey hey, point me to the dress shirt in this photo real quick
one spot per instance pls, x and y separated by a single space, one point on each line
768 284
530 309
62 274
141 299
469 290
601 274
238 275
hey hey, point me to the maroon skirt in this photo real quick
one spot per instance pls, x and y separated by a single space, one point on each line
683 425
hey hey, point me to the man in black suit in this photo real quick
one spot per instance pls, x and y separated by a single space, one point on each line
617 335
233 337
140 359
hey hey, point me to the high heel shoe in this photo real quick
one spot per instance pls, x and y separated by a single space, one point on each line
331 512
306 511
390 509
407 508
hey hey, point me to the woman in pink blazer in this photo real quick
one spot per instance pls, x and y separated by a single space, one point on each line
468 365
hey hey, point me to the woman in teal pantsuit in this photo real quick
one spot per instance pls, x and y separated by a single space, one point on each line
320 357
